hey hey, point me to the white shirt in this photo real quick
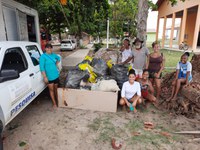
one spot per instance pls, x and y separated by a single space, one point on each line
129 90
126 54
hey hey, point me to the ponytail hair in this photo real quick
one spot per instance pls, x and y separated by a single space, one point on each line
186 54
131 72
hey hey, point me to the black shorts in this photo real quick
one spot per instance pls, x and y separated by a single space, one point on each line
56 81
152 75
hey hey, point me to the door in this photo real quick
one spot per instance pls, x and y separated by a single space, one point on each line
37 79
10 21
17 93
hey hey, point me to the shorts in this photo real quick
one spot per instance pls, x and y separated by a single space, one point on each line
138 73
144 94
184 77
152 75
56 81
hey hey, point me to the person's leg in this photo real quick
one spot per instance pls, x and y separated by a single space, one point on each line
158 88
52 95
135 100
178 85
151 97
173 90
123 104
56 93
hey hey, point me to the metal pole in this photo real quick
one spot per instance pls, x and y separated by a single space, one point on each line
107 32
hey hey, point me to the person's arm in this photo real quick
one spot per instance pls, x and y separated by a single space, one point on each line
177 70
138 91
161 68
147 58
187 77
151 89
42 69
127 60
189 69
147 62
123 94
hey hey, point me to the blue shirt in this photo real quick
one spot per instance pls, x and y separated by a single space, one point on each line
48 65
183 69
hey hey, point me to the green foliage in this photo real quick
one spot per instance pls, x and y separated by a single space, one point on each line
89 16
97 46
22 143
174 2
123 17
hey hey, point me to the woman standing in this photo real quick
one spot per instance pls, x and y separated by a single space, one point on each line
155 65
131 92
48 67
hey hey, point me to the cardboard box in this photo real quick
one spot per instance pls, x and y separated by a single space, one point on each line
88 100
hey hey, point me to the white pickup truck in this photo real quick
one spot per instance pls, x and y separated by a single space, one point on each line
20 78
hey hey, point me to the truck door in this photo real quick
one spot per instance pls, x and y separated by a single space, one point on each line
18 92
37 79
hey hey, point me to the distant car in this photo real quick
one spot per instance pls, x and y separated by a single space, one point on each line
68 45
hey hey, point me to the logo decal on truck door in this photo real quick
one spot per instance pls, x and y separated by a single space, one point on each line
19 89
22 104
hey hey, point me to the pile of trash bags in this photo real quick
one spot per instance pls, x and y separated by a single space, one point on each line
96 73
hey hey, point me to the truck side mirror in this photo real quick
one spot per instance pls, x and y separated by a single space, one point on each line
8 74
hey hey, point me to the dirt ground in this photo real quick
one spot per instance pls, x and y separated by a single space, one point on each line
39 127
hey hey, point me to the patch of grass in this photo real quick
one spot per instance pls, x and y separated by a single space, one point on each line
82 47
22 143
104 128
134 125
150 137
95 125
171 58
12 127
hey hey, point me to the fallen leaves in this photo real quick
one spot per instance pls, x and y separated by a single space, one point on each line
148 126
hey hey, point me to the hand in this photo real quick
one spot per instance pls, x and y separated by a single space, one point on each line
186 84
157 75
46 80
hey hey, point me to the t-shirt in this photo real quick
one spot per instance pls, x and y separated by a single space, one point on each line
129 90
48 65
184 68
126 54
140 58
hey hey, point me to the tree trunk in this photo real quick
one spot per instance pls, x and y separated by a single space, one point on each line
142 20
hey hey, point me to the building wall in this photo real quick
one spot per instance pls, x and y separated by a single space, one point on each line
190 25
167 9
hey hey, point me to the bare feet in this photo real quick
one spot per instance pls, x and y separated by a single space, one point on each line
135 110
174 99
169 99
55 106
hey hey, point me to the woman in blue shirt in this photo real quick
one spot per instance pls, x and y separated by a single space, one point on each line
48 67
183 75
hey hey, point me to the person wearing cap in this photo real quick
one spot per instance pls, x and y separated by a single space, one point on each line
50 73
126 52
140 55
183 75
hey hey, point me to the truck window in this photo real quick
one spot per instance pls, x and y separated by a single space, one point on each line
14 59
34 54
